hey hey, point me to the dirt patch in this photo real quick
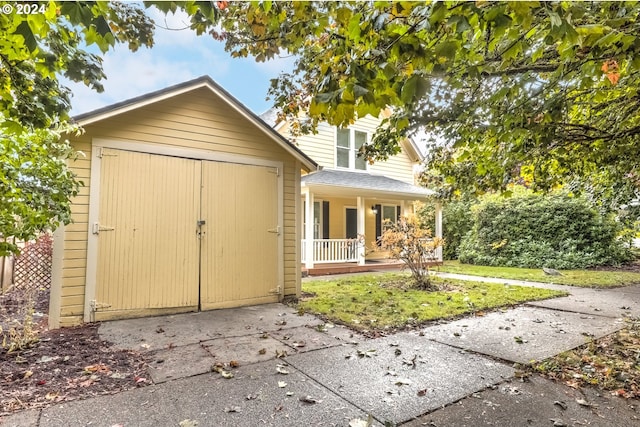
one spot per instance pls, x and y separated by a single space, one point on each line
63 365
632 267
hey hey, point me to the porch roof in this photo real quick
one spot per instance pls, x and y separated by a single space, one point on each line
363 184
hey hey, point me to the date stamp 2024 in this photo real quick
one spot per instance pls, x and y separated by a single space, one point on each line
23 8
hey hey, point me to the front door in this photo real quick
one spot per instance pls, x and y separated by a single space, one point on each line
352 223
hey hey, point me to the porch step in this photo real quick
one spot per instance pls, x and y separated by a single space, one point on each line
344 268
322 270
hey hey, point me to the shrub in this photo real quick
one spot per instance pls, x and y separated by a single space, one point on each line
534 231
409 241
456 223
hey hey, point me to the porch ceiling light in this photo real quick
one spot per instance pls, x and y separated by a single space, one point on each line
374 210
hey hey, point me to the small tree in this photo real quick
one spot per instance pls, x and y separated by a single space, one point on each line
413 243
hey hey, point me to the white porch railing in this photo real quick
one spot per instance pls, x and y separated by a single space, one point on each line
332 250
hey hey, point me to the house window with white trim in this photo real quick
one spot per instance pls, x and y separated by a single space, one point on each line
348 143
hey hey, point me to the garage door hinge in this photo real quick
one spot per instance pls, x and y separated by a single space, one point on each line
95 305
102 154
97 228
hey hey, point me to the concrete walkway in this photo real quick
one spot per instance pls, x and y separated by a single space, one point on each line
297 371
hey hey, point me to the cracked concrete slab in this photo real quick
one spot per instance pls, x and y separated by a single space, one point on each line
523 334
245 350
618 302
537 402
179 362
153 333
253 397
400 377
313 338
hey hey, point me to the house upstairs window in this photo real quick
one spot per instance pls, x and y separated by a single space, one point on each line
348 144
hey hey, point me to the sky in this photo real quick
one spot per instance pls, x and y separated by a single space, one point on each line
178 56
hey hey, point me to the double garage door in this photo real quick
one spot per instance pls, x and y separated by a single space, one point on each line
177 234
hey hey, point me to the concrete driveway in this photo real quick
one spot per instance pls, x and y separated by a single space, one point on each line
296 370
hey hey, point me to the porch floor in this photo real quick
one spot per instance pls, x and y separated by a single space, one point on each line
352 267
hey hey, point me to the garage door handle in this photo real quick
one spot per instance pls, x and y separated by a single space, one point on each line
97 228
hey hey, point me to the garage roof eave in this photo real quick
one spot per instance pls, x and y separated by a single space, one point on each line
188 86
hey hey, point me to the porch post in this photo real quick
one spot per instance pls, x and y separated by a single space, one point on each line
360 226
308 234
439 229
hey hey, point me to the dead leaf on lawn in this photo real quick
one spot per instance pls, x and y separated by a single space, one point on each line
98 367
309 399
232 409
139 380
53 395
188 423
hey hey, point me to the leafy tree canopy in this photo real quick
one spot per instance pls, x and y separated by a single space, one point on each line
540 93
39 42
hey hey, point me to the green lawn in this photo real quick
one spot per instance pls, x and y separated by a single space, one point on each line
583 278
378 302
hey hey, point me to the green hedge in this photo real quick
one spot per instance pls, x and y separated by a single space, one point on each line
535 231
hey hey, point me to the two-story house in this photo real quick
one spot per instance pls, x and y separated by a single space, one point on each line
348 202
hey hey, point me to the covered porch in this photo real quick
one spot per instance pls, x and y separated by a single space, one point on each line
346 212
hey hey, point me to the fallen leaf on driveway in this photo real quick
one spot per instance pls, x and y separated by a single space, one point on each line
583 402
232 409
403 381
281 370
234 363
188 423
282 384
422 392
309 399
361 423
280 354
299 344
560 404
262 351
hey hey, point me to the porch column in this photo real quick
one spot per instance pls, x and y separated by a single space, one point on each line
360 226
308 233
439 229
